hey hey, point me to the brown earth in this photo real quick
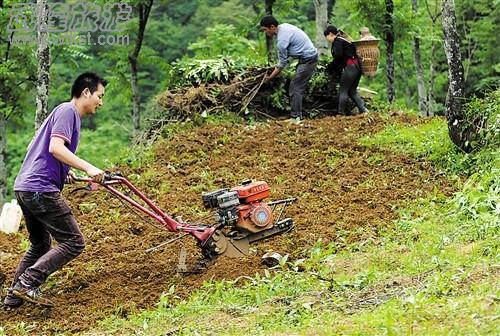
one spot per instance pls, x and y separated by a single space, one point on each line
346 192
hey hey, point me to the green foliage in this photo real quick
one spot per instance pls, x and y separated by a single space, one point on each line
431 140
477 206
217 57
180 10
193 71
279 98
478 25
105 145
319 79
208 29
231 12
298 13
16 150
484 115
223 40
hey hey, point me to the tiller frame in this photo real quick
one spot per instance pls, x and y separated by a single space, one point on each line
212 240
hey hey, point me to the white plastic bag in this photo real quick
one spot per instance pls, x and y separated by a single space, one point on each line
10 219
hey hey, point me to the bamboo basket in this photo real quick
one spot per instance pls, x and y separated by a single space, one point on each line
368 54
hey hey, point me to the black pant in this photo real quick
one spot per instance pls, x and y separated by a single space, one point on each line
46 215
348 88
298 86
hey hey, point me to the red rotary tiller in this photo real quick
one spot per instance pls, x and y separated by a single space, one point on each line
241 217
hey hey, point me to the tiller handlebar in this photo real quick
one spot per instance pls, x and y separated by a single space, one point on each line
201 233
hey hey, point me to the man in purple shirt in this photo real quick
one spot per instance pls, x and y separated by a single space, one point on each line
292 42
45 168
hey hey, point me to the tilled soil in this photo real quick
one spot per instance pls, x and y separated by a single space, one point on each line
346 193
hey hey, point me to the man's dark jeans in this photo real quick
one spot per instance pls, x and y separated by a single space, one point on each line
46 215
298 85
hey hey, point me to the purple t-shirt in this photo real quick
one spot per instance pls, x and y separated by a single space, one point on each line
41 171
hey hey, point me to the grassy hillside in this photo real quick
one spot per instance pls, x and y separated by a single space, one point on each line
432 271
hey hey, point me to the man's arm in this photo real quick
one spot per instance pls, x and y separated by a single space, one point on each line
63 154
283 58
273 74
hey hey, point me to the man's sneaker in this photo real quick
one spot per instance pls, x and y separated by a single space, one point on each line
33 295
282 117
295 121
11 301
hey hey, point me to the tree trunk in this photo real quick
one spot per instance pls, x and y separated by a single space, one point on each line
432 77
422 97
136 117
434 15
269 40
459 132
405 77
144 9
43 57
321 7
389 42
329 9
3 145
3 156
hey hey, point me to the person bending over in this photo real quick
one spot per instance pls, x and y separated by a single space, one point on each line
292 42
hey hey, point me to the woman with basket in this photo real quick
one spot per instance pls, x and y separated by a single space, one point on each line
346 66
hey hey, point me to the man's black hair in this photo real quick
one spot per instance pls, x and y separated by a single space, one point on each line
88 80
331 29
268 21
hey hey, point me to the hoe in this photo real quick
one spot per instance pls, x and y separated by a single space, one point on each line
241 218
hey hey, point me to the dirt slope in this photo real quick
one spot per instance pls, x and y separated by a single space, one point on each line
346 193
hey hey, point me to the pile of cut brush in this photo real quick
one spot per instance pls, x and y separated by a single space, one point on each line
203 99
244 93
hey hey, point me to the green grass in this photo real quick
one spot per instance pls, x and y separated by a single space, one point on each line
434 271
429 140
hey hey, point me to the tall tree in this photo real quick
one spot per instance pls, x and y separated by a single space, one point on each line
3 122
329 9
389 42
269 40
43 57
457 122
143 8
422 96
434 15
321 8
3 154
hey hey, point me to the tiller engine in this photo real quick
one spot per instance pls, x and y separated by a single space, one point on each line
241 218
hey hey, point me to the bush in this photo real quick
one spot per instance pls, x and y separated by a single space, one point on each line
484 115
